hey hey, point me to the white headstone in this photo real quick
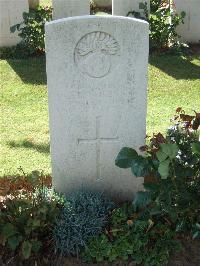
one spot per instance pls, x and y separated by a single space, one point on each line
97 86
190 30
11 12
123 7
70 8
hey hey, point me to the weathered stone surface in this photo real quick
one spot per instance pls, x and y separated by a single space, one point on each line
122 7
97 85
10 14
190 30
70 8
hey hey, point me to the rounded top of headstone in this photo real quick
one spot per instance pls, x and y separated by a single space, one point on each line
97 18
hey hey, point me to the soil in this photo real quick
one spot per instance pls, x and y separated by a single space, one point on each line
188 256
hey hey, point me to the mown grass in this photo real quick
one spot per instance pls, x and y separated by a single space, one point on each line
173 81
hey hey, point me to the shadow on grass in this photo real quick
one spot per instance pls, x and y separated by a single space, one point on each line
42 148
177 67
30 70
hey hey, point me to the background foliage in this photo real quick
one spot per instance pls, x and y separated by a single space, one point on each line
163 21
32 31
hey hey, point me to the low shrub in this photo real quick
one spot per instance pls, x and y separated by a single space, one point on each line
84 215
146 231
27 213
173 163
129 238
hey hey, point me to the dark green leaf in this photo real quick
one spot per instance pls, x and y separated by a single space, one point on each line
125 157
9 230
25 15
36 245
14 241
183 14
140 166
13 28
26 249
151 186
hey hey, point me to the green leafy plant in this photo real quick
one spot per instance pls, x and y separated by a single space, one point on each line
32 31
173 163
163 21
129 238
27 214
84 215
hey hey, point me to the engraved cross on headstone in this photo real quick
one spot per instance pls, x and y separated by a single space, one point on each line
98 140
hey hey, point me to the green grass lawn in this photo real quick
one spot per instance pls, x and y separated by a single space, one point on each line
173 81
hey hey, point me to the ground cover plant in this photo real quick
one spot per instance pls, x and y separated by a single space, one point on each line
131 239
85 215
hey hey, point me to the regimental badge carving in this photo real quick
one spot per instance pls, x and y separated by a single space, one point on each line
95 54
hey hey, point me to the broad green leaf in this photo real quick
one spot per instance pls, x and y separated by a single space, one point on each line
161 155
26 249
9 230
13 28
196 147
14 241
163 169
170 149
140 166
125 157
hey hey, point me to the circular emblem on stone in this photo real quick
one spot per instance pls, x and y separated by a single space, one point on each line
95 54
